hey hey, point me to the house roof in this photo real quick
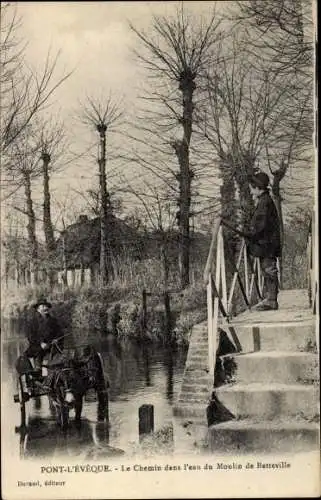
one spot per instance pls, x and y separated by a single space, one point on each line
81 240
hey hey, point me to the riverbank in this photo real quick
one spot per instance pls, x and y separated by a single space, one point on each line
113 310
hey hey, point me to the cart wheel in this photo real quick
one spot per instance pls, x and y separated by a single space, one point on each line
22 401
23 442
64 416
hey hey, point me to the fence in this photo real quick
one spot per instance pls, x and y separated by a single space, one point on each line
221 293
312 262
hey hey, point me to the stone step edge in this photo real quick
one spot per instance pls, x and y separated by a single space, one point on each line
271 387
248 424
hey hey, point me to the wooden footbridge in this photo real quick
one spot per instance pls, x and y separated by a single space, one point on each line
251 380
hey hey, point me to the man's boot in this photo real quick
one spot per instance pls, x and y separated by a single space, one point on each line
270 303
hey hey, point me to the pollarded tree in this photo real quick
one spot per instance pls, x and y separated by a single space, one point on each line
279 36
52 146
175 54
102 115
250 119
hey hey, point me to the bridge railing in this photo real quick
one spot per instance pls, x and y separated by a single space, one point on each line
221 293
312 262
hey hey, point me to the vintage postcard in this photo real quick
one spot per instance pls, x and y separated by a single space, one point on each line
159 250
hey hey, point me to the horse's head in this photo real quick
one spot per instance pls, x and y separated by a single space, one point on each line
78 374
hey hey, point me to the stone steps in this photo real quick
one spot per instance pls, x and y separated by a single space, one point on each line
290 336
280 366
269 401
201 388
191 397
197 362
197 383
248 436
274 394
196 410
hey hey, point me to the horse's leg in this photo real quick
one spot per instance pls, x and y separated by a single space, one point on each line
103 403
78 406
101 387
100 433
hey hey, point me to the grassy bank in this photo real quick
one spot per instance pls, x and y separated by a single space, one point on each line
94 311
97 312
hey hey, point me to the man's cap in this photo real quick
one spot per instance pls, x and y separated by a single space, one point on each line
260 180
42 302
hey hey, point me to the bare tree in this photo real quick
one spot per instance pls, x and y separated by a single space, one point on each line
251 120
15 250
92 201
279 35
280 31
175 54
158 216
103 116
22 168
24 93
52 145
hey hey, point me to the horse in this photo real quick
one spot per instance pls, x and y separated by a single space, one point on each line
70 378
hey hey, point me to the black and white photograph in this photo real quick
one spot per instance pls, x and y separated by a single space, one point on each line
159 250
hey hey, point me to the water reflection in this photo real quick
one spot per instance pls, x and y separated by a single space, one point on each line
169 362
42 439
139 373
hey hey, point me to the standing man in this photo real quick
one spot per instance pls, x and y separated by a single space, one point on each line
264 239
41 331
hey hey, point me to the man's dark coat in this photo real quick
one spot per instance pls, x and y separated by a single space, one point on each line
264 236
42 329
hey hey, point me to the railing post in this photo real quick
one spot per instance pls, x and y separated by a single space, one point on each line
210 326
246 274
314 261
223 270
216 303
235 277
260 276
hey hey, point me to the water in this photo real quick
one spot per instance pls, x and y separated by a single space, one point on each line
138 374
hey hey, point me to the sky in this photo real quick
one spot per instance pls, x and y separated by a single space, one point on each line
96 44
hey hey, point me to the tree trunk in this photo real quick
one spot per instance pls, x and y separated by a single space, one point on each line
165 262
31 226
243 174
103 206
228 204
184 221
82 274
182 148
277 177
47 223
6 271
229 213
64 261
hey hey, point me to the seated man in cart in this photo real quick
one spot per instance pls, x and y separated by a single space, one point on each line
41 331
